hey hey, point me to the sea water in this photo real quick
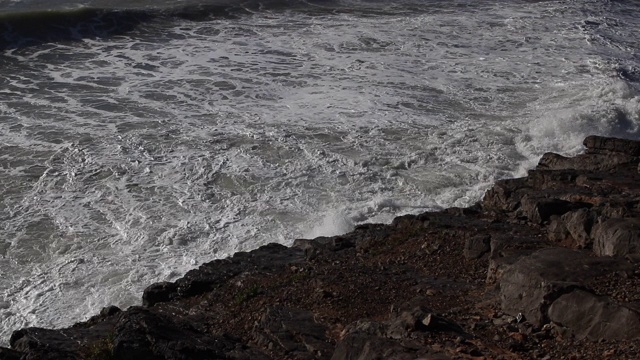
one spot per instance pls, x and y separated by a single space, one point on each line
139 139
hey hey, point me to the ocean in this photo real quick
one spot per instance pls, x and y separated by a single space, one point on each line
139 139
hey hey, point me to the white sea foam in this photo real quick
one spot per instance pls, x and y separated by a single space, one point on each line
132 159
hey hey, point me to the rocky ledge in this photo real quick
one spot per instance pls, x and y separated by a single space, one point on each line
545 267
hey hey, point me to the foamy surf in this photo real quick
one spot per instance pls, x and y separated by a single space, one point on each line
130 157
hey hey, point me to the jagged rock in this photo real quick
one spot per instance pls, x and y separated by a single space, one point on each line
534 282
295 331
579 223
44 344
557 231
267 258
8 354
313 248
477 246
109 311
158 292
542 181
503 196
617 237
141 334
590 162
572 229
539 210
595 317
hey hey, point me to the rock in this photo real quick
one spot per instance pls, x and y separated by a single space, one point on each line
433 322
557 231
44 344
109 311
572 229
293 330
539 210
477 246
420 319
8 354
367 347
367 327
532 283
595 317
158 292
267 258
503 196
141 334
406 322
590 162
579 223
608 144
507 250
312 248
617 237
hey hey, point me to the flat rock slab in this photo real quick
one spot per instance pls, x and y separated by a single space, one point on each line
595 317
601 143
531 284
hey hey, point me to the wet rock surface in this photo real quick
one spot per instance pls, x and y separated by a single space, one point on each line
546 267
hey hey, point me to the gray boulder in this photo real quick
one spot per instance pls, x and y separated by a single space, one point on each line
595 317
617 237
531 284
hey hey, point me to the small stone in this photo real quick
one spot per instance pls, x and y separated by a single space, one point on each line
609 353
519 337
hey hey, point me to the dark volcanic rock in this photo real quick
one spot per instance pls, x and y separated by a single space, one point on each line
158 292
8 354
142 334
44 344
268 258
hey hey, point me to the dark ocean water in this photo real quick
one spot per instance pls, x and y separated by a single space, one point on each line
139 139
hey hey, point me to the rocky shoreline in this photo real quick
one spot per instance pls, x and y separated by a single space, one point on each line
545 267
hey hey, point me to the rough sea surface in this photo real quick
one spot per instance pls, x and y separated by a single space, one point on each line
139 139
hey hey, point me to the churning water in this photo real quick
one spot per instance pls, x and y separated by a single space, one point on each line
139 139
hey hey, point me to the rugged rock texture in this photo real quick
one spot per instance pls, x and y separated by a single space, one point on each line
545 267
